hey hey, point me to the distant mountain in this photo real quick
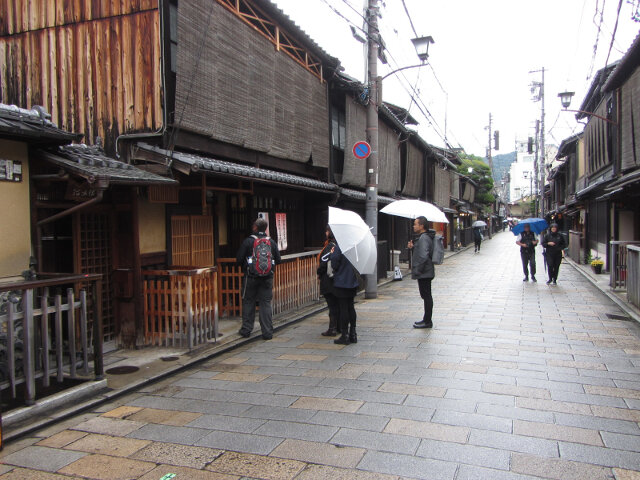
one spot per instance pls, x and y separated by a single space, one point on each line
501 165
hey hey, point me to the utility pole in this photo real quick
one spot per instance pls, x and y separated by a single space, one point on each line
371 202
543 155
490 160
536 170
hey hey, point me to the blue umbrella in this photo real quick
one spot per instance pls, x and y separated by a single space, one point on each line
537 225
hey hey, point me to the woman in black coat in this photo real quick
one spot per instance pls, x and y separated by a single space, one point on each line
554 243
326 284
345 287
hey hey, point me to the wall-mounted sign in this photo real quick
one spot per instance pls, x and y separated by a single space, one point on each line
79 192
10 171
361 150
281 227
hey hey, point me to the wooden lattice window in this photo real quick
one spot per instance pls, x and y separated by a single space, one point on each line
192 240
163 194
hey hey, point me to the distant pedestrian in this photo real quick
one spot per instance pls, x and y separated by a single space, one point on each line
477 238
345 287
422 268
325 275
258 255
528 241
554 243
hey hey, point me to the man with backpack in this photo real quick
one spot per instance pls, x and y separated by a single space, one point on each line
258 256
422 267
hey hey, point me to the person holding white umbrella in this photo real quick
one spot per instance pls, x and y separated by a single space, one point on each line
345 287
422 268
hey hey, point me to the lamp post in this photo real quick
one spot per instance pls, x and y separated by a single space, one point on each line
565 100
371 203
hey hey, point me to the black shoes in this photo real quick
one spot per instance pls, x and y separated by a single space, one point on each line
533 279
549 282
244 334
343 340
525 279
555 283
423 324
329 333
267 337
353 337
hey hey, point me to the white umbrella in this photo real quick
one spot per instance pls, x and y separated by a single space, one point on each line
354 239
479 223
414 209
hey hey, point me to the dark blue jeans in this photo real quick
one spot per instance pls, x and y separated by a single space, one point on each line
257 289
424 286
528 262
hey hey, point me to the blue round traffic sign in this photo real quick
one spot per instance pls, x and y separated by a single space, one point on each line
361 150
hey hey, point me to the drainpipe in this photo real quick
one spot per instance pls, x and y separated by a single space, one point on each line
163 128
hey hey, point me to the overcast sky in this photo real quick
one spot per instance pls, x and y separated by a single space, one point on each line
481 58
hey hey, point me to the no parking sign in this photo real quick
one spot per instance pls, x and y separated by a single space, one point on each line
361 150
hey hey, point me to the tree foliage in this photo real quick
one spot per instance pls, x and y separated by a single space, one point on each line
475 168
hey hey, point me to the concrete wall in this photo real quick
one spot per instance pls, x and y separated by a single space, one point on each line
153 234
15 233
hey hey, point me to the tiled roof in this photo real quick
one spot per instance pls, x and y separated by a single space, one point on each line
222 167
358 195
92 164
32 126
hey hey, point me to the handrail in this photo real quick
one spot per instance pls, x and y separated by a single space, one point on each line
182 271
55 279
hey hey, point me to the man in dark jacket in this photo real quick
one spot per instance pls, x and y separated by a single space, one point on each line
554 243
257 288
528 241
422 267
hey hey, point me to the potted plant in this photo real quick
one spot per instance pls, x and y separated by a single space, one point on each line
597 265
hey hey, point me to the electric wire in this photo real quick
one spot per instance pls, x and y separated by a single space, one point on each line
599 25
613 35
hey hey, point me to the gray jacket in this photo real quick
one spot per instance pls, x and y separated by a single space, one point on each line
421 264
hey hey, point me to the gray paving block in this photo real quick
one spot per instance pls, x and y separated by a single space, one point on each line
407 466
474 420
367 396
492 398
514 443
438 403
607 457
588 399
598 423
621 441
473 472
383 442
296 430
550 385
218 385
515 413
405 411
308 391
293 380
279 413
42 458
238 397
240 442
226 423
343 383
470 454
169 433
355 421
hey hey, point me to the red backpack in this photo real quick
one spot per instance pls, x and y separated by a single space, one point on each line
260 263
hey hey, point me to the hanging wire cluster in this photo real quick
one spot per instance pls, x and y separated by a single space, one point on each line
635 15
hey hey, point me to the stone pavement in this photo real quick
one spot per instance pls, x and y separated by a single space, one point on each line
516 381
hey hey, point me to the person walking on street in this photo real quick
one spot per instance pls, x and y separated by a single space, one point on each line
325 275
528 241
554 243
258 255
422 268
345 287
477 239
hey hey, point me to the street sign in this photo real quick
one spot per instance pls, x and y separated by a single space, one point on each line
361 150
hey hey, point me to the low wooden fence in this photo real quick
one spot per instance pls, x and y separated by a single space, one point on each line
633 275
46 335
180 306
618 263
295 284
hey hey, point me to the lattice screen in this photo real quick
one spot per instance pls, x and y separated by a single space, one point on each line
192 240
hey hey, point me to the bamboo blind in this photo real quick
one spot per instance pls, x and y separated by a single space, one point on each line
630 118
414 179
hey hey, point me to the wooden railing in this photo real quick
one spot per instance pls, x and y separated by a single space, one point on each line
180 306
295 284
45 336
575 250
618 263
633 275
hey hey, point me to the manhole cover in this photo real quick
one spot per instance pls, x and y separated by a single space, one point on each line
169 359
123 370
617 316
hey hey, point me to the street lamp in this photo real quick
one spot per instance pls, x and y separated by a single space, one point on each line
371 203
565 100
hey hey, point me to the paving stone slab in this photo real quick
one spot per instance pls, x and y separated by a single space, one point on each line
383 442
107 445
240 442
24 474
322 472
42 458
268 468
558 469
514 443
184 472
318 452
102 467
168 433
467 454
300 431
175 454
408 466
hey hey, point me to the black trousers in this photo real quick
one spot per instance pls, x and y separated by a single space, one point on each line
553 264
528 262
477 242
257 289
347 314
334 310
424 286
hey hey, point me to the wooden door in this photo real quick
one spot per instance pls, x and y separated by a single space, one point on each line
192 241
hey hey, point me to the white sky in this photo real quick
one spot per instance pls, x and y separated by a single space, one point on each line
482 54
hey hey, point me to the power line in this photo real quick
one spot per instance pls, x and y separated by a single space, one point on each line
406 10
599 25
613 35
